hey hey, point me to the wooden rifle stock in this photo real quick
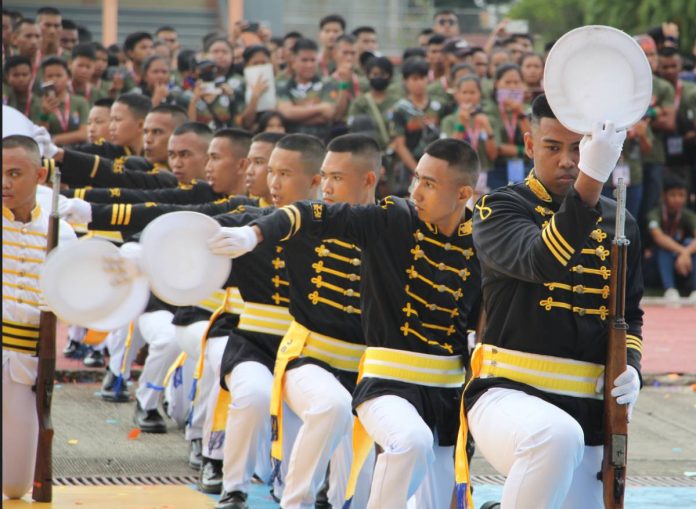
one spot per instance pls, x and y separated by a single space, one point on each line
615 415
43 473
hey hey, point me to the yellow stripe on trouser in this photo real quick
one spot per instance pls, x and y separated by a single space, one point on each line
404 366
129 341
20 337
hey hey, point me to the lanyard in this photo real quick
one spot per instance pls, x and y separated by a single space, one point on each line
27 106
35 68
473 134
64 118
510 124
677 95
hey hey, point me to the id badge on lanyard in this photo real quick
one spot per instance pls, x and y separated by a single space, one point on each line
675 145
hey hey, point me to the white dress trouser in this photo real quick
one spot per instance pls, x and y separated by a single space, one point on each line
317 397
208 394
20 428
248 432
158 331
116 343
541 450
339 472
177 393
411 464
188 337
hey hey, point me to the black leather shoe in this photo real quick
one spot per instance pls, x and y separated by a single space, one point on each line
322 499
113 390
74 350
491 505
232 500
210 480
94 359
149 421
195 453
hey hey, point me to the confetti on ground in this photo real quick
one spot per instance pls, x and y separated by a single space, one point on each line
112 421
134 433
676 449
690 474
73 441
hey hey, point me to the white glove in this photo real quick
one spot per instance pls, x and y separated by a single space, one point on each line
233 242
43 139
75 211
600 152
626 389
126 266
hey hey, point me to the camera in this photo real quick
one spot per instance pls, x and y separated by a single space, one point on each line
206 71
251 27
48 88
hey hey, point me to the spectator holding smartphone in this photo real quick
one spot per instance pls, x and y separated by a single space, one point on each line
64 115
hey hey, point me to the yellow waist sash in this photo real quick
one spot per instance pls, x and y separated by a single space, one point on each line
233 305
265 318
556 375
404 366
20 337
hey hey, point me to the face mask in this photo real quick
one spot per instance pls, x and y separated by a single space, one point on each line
379 84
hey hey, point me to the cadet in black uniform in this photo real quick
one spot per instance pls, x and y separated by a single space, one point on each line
324 279
419 298
535 407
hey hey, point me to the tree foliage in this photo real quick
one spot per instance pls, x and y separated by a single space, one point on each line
552 18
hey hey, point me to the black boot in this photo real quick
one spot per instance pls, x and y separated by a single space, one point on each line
232 500
210 480
114 390
94 359
149 421
74 350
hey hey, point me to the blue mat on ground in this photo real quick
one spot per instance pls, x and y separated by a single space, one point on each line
636 498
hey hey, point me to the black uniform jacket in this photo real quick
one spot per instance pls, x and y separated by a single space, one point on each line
79 169
546 269
195 192
419 290
261 278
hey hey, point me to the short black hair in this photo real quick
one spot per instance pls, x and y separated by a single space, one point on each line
152 59
469 77
133 39
310 147
304 44
459 67
15 61
186 60
333 18
27 143
267 116
216 38
252 50
240 139
165 28
178 114
671 181
53 60
292 35
198 128
541 109
459 156
361 146
50 11
104 102
382 63
668 51
413 52
68 24
21 22
365 29
83 34
265 137
444 12
522 36
436 39
98 47
414 66
84 50
345 38
138 104
503 68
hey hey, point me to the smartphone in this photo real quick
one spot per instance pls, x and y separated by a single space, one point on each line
517 26
252 27
48 88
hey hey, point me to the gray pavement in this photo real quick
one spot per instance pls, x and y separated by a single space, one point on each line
91 438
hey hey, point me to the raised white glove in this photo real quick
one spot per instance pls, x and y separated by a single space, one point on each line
126 266
43 139
600 152
626 389
75 211
233 242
